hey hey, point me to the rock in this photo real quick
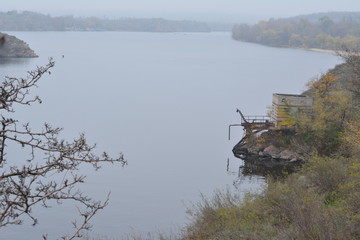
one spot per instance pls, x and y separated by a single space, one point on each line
272 151
271 148
13 47
287 155
254 149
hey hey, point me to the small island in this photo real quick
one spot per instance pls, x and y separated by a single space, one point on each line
12 47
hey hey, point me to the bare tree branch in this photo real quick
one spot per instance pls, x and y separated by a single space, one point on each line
87 215
33 183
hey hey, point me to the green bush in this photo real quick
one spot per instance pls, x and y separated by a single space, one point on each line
321 202
326 173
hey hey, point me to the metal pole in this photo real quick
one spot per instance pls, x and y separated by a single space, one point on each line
233 125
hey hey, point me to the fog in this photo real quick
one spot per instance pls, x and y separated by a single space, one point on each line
204 10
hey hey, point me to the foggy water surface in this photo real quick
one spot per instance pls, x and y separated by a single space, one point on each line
165 101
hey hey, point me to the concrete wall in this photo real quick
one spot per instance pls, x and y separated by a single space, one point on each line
292 101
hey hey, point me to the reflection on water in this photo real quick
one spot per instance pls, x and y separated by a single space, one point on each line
234 168
267 168
252 169
14 67
14 61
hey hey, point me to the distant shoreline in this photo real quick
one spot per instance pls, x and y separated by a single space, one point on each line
328 51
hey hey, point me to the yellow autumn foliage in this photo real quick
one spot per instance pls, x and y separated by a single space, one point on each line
353 130
287 119
351 137
323 86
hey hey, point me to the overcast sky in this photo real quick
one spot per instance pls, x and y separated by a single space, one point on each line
214 10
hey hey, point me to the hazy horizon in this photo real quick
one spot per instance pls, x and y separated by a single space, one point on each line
200 10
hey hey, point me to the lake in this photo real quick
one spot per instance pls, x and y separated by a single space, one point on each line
163 99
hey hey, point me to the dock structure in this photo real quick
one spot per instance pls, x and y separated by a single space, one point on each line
289 103
253 124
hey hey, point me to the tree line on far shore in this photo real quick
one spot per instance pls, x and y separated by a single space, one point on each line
32 21
327 32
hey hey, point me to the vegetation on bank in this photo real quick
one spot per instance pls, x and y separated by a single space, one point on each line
322 200
328 31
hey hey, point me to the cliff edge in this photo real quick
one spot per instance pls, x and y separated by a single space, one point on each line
276 146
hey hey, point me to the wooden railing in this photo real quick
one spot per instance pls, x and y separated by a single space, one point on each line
256 119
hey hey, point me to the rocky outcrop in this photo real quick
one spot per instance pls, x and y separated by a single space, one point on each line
12 47
269 146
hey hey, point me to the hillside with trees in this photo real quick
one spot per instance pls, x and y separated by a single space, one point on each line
322 30
31 21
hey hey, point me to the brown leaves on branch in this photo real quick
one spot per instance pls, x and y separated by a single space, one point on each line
51 171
